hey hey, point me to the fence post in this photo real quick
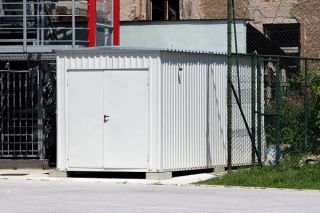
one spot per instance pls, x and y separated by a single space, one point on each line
306 107
278 112
24 24
259 109
253 105
229 87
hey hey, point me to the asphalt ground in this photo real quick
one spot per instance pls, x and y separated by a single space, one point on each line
64 195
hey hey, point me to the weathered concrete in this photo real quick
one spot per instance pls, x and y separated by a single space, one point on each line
189 9
158 175
24 164
307 12
219 169
133 10
46 196
270 11
58 173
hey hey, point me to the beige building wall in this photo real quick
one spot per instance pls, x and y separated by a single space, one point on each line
271 11
189 9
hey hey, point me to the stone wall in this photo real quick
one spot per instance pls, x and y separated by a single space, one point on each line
133 10
189 9
270 11
307 12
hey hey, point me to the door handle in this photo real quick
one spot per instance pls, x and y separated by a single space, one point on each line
106 118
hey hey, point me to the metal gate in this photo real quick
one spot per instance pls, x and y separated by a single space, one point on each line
20 117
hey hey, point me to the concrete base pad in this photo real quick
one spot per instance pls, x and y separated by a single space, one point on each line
57 173
24 164
219 169
158 175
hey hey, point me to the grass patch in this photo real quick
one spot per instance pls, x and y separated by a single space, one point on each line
288 175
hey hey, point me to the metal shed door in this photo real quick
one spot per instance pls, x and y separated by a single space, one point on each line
85 117
126 126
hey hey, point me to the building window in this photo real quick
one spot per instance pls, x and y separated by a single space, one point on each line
286 36
163 10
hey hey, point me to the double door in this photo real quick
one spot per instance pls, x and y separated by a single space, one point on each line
107 119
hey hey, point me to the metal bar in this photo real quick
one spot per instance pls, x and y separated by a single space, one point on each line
8 111
20 112
236 49
1 110
229 88
17 16
92 23
276 57
26 108
38 23
116 22
253 105
14 109
278 100
259 108
73 24
42 23
24 7
40 114
306 107
64 2
166 9
33 88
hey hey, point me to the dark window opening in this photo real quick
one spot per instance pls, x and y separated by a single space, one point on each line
286 36
164 10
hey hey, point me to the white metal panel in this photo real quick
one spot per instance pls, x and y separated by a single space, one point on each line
107 59
126 128
204 35
85 119
187 104
218 109
193 110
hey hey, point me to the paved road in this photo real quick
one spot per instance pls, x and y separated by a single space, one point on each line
69 196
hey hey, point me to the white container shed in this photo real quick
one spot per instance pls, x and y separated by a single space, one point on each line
141 110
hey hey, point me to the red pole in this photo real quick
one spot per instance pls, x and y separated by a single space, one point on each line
92 27
116 22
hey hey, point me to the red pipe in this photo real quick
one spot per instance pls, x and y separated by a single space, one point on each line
92 27
116 22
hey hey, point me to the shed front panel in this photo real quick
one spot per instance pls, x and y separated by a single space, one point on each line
85 119
126 127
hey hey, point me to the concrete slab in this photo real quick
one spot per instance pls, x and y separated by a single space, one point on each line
24 164
158 175
25 174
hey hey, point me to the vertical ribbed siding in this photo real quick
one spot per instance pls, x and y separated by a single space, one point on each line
87 60
193 111
218 110
187 108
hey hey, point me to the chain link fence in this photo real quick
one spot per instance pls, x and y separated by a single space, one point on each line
275 88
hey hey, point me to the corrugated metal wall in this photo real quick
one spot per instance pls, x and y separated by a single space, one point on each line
187 105
194 119
106 59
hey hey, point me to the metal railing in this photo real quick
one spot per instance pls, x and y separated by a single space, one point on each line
41 23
